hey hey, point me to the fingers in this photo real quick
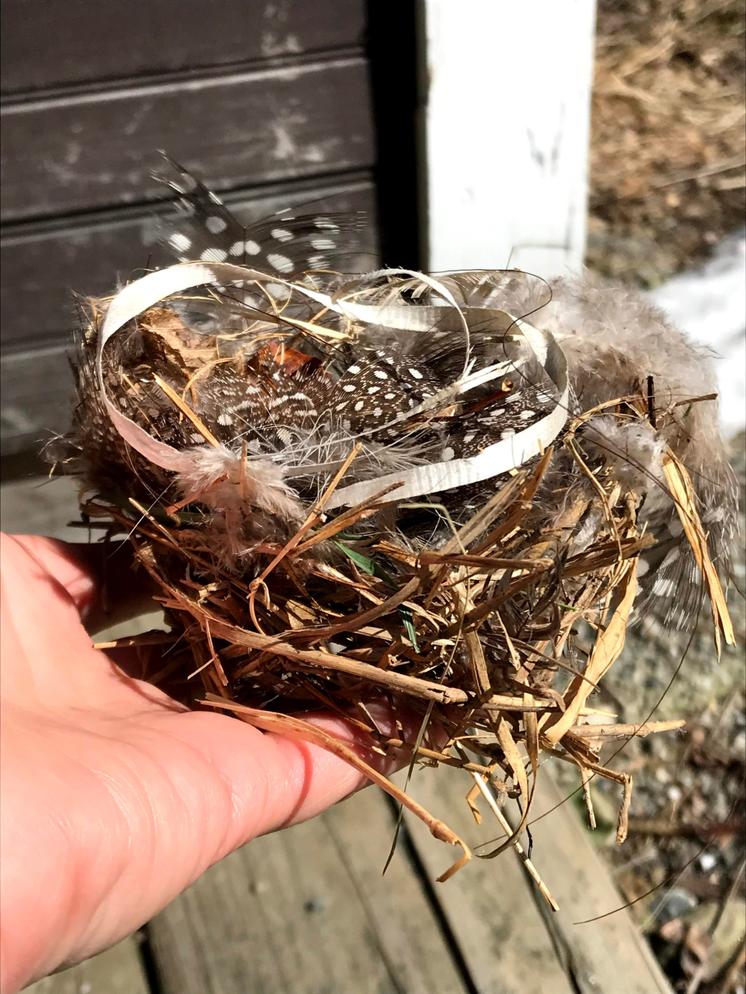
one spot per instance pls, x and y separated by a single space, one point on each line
43 591
321 778
52 559
315 778
99 579
275 781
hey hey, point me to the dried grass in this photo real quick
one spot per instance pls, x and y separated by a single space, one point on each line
668 160
476 638
491 639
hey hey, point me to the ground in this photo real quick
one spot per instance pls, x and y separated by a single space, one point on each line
683 862
667 188
667 155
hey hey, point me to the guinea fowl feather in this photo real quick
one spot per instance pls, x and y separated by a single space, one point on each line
460 374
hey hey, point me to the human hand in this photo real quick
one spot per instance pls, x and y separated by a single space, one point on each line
114 798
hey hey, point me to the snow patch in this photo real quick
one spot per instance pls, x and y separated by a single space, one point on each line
709 304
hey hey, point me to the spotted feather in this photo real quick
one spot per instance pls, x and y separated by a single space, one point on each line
287 243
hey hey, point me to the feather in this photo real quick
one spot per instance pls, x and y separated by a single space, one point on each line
287 243
614 340
442 384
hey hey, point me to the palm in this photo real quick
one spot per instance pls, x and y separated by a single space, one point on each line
115 799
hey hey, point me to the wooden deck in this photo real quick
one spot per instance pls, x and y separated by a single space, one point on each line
307 910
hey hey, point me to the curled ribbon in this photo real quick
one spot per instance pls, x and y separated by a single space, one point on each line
492 461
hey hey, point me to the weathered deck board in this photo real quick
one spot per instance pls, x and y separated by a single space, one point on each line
490 906
117 971
306 911
609 956
509 937
39 506
37 391
405 923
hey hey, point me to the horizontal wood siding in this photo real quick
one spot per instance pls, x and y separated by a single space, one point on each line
48 43
43 265
269 104
35 397
71 154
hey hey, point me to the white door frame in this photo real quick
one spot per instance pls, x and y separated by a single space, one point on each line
506 114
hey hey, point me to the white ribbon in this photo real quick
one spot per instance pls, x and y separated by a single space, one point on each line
492 461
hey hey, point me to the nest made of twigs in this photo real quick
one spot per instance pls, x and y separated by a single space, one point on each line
478 637
485 616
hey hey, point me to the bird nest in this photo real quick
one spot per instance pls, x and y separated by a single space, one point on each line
491 638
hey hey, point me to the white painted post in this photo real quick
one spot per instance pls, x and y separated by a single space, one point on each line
506 122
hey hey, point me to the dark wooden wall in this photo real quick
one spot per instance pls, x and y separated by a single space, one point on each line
271 103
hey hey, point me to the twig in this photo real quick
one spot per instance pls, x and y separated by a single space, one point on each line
519 850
